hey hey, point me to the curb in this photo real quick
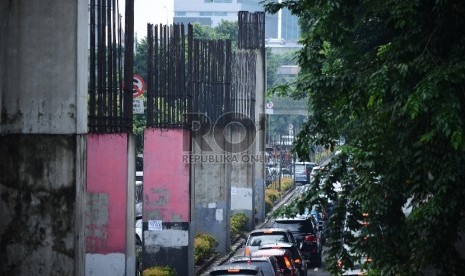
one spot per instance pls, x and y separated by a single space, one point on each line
220 259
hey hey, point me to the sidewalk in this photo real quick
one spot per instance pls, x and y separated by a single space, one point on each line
205 269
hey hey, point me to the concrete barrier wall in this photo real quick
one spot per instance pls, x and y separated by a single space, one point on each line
212 181
166 201
43 125
106 205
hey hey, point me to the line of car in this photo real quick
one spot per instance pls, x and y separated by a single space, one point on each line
288 247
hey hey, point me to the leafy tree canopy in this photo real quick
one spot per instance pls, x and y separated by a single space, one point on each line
389 78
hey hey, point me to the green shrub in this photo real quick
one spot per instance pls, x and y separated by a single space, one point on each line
238 224
159 271
271 196
286 183
204 247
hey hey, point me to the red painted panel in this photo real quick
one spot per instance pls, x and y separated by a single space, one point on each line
106 193
166 176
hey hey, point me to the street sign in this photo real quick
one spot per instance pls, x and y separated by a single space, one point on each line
138 106
269 108
138 86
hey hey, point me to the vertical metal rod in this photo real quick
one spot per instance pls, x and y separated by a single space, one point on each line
190 72
156 88
114 105
150 88
128 64
120 70
92 88
109 61
104 67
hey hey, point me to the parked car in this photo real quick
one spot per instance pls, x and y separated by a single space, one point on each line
285 261
237 269
314 171
138 227
269 264
305 230
302 172
299 260
259 237
138 233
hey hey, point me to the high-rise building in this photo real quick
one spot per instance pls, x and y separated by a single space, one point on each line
281 25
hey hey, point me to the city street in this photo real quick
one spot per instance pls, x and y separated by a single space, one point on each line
312 271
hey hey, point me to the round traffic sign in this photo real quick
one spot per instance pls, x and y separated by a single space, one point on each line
138 86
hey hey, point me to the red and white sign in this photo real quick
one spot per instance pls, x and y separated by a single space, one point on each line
138 86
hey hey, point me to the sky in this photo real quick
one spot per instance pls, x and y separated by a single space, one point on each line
151 11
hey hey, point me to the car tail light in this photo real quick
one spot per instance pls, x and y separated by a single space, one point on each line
311 238
297 261
233 270
247 252
287 262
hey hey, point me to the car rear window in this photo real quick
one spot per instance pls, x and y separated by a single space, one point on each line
264 265
297 228
266 238
240 273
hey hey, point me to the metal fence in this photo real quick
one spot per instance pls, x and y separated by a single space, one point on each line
211 78
167 90
197 77
251 30
186 76
110 66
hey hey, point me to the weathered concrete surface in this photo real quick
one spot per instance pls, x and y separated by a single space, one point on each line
212 181
167 201
43 121
44 66
242 176
41 229
259 167
107 230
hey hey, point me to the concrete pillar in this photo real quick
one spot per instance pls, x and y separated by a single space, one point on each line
260 124
110 243
242 173
166 210
43 124
211 173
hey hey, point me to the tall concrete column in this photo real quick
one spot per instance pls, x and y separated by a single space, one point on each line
259 165
211 173
167 236
109 220
242 172
43 124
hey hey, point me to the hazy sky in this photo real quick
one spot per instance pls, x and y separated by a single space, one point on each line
151 11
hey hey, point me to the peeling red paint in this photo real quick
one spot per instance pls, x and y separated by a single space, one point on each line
166 176
106 177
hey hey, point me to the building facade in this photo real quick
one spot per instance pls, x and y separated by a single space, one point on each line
281 25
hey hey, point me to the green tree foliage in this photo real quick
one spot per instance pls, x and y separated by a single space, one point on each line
227 30
388 77
273 61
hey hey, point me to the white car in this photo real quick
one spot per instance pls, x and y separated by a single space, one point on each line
138 228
